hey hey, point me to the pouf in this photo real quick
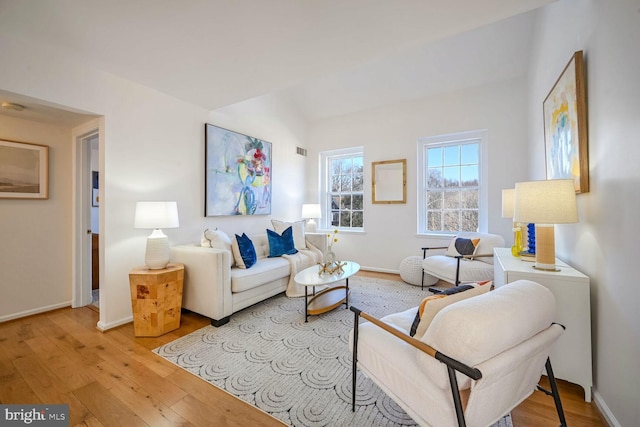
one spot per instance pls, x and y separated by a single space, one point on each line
411 272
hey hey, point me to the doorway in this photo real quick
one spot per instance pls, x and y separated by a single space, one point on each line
86 207
92 142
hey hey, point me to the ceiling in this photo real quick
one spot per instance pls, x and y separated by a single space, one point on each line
329 56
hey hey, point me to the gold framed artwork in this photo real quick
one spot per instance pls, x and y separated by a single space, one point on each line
24 170
565 126
389 181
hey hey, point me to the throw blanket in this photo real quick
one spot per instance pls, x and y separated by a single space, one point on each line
299 261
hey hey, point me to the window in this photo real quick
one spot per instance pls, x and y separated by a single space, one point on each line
342 177
451 194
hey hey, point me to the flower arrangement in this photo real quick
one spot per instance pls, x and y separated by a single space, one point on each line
332 239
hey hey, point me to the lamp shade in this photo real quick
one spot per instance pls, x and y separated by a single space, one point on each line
311 211
546 202
156 215
508 200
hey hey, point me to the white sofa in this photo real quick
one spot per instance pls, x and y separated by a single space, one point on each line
216 288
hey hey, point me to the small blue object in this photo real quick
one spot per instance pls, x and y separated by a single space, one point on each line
531 238
247 251
281 244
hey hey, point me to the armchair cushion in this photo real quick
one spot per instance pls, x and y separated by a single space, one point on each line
432 304
462 246
474 330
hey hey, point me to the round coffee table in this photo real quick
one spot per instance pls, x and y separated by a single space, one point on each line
329 298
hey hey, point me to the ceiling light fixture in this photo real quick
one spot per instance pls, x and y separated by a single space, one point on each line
12 106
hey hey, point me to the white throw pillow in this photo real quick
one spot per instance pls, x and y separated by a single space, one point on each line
217 239
298 231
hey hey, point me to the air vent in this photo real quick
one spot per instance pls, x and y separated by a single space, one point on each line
301 151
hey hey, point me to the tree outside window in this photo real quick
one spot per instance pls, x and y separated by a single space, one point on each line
344 189
451 184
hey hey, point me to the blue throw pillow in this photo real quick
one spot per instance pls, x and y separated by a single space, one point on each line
247 251
281 244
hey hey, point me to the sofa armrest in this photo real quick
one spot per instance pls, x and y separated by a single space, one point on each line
317 240
207 282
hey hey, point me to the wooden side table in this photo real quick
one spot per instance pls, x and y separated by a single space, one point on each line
156 299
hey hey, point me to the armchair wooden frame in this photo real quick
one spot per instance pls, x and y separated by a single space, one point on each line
453 365
436 290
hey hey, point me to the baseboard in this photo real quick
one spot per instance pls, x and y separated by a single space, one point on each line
102 326
379 270
604 409
34 311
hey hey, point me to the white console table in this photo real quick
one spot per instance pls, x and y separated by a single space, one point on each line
571 355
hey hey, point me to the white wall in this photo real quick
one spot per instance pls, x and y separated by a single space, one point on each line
392 132
153 150
271 119
603 244
35 253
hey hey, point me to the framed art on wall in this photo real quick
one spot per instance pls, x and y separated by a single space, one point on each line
237 173
95 189
565 126
24 170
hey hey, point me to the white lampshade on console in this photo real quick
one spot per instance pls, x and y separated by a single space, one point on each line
508 207
508 202
311 212
156 215
546 203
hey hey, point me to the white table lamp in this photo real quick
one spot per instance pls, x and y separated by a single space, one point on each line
546 203
311 212
156 215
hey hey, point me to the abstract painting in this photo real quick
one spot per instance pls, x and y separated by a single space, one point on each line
238 173
565 126
24 170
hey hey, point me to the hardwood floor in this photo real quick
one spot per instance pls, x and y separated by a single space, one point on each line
113 379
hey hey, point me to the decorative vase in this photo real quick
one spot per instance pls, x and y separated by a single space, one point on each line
517 242
329 257
531 238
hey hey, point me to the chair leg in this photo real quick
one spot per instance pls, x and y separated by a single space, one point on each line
457 402
354 366
555 393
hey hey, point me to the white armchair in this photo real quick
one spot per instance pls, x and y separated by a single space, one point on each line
479 358
458 269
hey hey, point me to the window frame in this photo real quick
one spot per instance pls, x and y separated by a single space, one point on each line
325 189
457 138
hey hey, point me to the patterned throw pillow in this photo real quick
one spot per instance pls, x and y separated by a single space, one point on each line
432 304
243 251
281 244
462 246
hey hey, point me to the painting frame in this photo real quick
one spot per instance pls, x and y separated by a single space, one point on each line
238 173
95 189
565 126
24 170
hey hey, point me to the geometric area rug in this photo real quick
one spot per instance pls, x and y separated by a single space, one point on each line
300 373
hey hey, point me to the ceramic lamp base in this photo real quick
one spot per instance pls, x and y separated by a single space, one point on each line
157 254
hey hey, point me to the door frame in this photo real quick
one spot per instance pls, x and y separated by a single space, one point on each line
81 215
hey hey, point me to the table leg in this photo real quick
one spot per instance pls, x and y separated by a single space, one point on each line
306 312
346 291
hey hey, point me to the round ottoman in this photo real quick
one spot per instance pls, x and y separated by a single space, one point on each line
411 271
